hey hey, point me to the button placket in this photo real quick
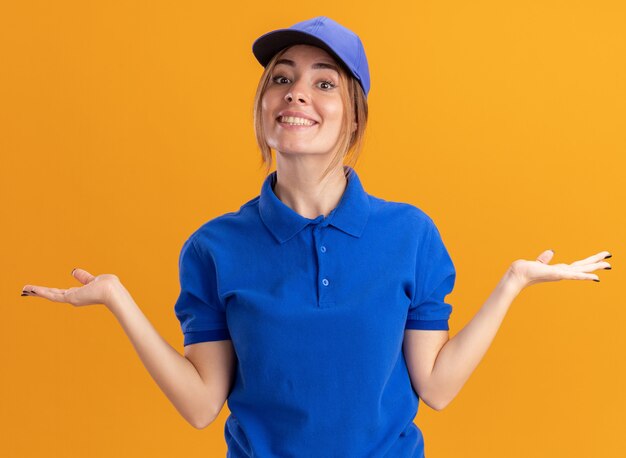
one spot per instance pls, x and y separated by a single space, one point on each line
323 280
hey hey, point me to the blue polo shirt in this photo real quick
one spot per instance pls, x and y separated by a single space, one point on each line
317 310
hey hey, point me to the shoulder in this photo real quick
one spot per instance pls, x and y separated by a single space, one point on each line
408 215
225 229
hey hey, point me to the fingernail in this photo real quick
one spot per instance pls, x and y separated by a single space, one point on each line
551 250
607 268
73 270
24 294
609 256
595 280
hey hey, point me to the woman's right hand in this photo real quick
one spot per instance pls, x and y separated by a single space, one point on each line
95 290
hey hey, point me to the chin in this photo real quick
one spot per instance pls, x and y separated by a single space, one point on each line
301 151
291 151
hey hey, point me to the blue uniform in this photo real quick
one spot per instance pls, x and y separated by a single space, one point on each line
316 310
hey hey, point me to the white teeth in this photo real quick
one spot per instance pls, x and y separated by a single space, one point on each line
296 121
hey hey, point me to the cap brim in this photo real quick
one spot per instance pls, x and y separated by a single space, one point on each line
266 46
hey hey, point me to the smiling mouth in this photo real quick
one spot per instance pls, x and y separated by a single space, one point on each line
294 121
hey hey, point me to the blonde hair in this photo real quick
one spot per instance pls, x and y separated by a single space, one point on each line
349 143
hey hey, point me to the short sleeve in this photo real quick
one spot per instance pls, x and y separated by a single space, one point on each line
434 280
198 308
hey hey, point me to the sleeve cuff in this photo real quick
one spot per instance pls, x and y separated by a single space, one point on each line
428 325
192 337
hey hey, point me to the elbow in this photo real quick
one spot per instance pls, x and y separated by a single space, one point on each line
439 399
201 421
207 416
199 424
437 404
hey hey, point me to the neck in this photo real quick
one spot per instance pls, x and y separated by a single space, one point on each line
298 186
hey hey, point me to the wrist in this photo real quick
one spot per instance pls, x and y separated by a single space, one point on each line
512 281
116 296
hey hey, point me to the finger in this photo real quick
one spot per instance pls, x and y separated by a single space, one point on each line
568 274
546 256
82 276
53 294
39 289
591 267
595 258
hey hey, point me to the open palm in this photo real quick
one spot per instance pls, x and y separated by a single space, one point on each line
95 289
531 272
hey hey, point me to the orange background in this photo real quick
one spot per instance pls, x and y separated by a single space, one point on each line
125 125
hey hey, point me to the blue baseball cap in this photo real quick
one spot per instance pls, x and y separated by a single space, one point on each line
341 43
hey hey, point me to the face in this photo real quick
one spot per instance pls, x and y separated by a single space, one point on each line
302 109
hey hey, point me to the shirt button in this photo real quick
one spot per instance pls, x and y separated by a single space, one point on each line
325 282
323 249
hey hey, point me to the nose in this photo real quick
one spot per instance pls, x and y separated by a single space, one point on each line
296 93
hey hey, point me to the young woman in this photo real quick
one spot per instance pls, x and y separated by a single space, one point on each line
316 310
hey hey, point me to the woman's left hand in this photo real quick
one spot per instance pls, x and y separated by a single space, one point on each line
531 272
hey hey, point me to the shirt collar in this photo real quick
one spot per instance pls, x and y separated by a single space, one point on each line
350 215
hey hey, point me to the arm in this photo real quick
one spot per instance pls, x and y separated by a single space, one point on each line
439 367
197 384
195 392
446 364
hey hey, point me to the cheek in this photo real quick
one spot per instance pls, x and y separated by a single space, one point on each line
264 107
266 113
335 109
335 113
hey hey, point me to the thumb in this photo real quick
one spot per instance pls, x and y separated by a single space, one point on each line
82 276
546 256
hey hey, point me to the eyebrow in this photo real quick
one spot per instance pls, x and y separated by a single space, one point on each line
316 65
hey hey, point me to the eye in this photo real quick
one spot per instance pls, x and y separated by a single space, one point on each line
329 84
277 79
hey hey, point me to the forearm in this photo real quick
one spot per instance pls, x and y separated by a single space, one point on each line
460 355
174 374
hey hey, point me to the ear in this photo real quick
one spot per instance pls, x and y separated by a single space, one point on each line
354 126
